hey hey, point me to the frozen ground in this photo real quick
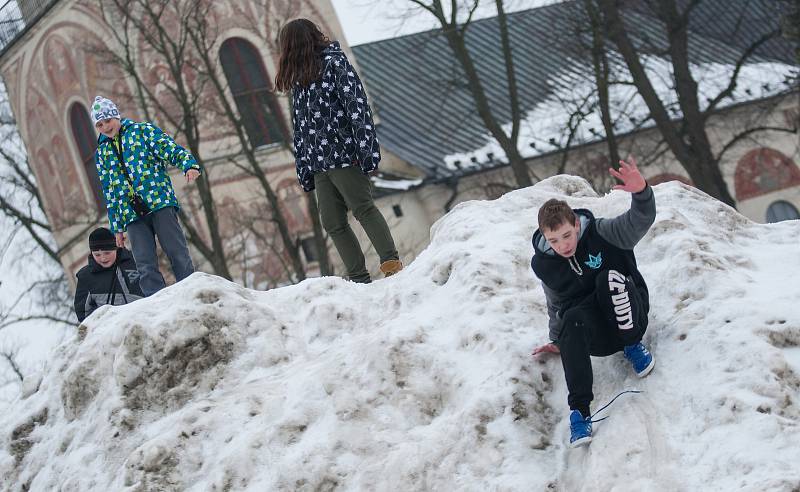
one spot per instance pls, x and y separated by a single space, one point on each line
424 381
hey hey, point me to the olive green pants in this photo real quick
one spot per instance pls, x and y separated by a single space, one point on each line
340 190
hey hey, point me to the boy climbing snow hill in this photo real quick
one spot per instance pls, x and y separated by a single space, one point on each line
597 300
132 162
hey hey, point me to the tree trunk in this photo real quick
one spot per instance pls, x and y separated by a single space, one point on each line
456 41
601 72
695 155
320 240
198 34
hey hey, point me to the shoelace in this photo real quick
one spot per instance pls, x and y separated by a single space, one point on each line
608 404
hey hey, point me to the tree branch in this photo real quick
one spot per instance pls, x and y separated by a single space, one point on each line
9 356
746 133
737 68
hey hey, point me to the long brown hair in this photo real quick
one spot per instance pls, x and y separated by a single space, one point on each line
301 43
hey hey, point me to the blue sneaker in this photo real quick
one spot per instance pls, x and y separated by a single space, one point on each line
580 429
641 360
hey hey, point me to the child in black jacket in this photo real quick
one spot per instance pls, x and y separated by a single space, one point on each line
110 277
597 300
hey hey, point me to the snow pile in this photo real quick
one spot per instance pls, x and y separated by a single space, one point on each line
423 381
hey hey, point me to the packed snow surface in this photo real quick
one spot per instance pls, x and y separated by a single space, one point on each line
423 381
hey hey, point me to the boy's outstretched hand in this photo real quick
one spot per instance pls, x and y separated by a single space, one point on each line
548 348
632 180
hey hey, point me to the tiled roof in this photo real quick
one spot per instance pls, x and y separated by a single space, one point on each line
426 110
17 17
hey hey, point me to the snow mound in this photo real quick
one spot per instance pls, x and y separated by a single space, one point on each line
424 381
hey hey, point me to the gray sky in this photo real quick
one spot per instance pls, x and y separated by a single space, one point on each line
365 21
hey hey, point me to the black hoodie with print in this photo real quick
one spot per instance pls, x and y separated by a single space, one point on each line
602 244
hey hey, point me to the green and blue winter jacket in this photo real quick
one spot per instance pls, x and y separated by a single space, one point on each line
146 150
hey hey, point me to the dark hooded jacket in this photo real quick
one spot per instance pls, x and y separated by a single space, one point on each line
332 121
115 285
603 244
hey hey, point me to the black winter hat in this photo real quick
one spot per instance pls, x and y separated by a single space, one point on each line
101 239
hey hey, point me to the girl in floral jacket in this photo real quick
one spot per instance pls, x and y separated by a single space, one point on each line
335 144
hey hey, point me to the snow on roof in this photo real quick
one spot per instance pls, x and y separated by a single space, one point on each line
428 115
424 380
396 184
545 128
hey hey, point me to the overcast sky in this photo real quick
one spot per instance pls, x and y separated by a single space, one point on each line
365 21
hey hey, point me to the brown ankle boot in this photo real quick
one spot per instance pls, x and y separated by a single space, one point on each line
390 267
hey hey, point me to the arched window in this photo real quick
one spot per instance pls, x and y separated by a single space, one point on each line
781 210
762 171
249 85
86 142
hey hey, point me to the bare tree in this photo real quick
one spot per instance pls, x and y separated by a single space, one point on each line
21 199
46 296
455 32
687 137
9 355
790 25
602 77
11 372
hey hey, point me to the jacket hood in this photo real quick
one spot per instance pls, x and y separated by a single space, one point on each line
123 255
124 123
333 49
542 247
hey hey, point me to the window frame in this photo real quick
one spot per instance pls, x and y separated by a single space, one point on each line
83 133
255 115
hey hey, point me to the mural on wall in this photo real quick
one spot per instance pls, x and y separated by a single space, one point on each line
762 171
121 95
159 80
40 119
42 127
49 182
60 68
71 191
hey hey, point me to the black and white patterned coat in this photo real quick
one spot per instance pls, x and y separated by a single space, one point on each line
332 121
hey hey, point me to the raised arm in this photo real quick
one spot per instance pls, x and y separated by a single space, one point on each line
625 230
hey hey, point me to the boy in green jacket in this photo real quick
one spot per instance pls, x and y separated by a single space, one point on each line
131 161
